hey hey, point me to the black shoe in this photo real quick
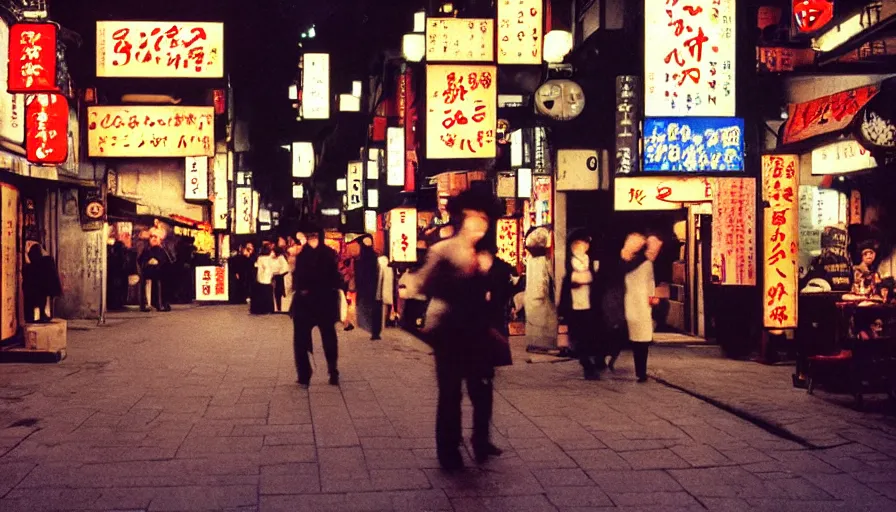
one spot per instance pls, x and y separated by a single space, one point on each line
451 461
145 309
642 380
594 375
334 379
304 385
166 308
483 452
375 338
348 327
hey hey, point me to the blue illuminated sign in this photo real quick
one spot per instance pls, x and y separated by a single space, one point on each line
694 144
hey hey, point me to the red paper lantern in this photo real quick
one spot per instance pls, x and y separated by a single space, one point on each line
812 15
46 128
32 58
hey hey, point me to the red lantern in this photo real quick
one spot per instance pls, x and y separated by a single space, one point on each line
32 58
812 15
46 128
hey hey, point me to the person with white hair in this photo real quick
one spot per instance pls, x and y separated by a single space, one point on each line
541 310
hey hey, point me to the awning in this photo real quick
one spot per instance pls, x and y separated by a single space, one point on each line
120 208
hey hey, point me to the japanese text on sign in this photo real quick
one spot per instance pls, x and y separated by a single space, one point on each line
827 114
243 211
694 145
46 123
460 39
508 233
211 284
159 49
461 104
151 131
780 181
403 235
653 193
734 231
355 185
196 178
32 57
689 57
520 31
316 86
628 117
12 106
220 210
9 231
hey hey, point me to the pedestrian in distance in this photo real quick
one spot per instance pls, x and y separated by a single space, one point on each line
458 327
580 305
316 303
640 299
615 264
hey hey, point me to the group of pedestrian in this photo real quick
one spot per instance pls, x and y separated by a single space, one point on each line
155 271
265 279
606 300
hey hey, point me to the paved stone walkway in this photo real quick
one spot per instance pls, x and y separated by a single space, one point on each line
199 410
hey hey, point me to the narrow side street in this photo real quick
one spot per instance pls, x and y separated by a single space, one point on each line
198 410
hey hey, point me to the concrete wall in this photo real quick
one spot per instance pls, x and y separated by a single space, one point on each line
81 261
157 184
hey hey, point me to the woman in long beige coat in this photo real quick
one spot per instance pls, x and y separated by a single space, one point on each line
640 297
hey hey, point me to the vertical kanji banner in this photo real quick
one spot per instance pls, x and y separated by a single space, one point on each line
461 111
32 58
780 182
46 128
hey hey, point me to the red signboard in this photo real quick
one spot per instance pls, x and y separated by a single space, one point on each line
220 102
32 57
46 128
825 115
812 15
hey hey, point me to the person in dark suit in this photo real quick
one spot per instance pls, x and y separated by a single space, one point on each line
580 304
40 281
155 264
316 282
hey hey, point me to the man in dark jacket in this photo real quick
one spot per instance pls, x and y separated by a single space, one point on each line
316 282
155 263
40 280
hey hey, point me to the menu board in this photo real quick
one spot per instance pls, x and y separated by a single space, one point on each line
781 243
520 31
734 231
460 40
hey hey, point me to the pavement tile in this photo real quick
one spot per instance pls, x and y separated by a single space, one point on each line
550 478
290 479
666 499
391 459
195 445
204 498
654 459
232 412
507 482
415 501
599 460
536 503
349 502
634 481
398 479
702 456
590 496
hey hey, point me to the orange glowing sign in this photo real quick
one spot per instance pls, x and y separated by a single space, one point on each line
780 181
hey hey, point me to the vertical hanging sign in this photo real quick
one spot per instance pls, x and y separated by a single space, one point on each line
355 184
243 210
32 58
520 31
734 231
395 156
316 86
12 106
196 178
46 127
221 201
403 235
461 104
780 182
628 117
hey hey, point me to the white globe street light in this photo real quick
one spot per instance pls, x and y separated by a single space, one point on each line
413 47
557 45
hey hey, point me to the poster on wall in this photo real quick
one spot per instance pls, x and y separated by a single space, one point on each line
543 200
9 288
460 40
316 86
461 103
403 235
196 178
781 244
689 58
578 169
660 193
153 131
628 124
734 231
12 106
520 31
506 185
159 49
707 144
212 284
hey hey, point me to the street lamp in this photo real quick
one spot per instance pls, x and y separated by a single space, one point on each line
557 45
413 47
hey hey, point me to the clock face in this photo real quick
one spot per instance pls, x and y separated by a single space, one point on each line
95 210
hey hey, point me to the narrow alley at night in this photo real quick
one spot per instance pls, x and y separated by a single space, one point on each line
448 255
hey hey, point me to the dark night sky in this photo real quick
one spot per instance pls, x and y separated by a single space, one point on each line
261 55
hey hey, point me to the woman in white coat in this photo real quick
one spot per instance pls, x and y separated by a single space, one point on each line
640 297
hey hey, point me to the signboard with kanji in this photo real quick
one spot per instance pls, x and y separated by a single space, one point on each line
403 235
196 178
12 106
154 131
780 182
244 214
460 40
508 240
32 57
355 185
461 104
212 284
9 285
520 31
628 124
734 231
221 199
685 144
689 58
656 193
46 127
159 49
316 86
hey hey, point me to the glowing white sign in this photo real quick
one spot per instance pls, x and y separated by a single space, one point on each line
316 86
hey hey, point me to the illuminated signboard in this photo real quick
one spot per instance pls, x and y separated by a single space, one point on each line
461 103
734 231
159 49
316 86
655 193
520 31
156 131
689 58
12 106
578 169
395 157
628 123
220 203
355 184
212 284
46 124
32 58
403 235
243 211
196 178
508 240
841 157
302 159
9 258
460 39
370 221
781 243
825 115
705 144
